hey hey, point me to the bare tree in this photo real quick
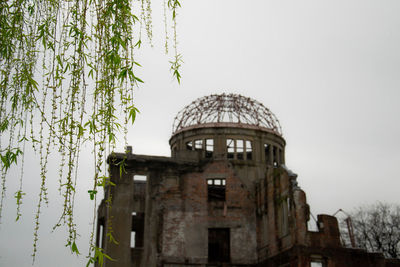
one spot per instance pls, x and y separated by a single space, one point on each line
376 228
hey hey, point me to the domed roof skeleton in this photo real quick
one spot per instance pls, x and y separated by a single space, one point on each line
226 110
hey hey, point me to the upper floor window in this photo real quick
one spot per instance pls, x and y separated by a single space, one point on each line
194 144
249 150
209 148
273 155
230 146
239 149
198 144
202 144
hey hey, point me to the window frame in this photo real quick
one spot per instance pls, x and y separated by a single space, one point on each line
236 148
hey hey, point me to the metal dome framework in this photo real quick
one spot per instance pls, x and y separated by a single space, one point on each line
224 109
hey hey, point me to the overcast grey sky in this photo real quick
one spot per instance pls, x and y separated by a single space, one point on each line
329 70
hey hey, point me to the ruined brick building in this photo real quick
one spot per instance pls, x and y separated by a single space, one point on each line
224 198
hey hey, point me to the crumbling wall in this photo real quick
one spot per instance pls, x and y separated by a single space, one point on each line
191 214
118 219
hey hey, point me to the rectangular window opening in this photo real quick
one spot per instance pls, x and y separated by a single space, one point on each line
209 148
137 231
139 178
198 144
219 245
216 189
230 146
239 149
249 150
314 263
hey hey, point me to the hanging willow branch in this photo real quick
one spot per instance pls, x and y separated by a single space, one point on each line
67 73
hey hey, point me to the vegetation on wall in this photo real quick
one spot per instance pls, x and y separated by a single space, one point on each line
67 77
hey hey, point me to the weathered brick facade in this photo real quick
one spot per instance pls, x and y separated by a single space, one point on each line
224 198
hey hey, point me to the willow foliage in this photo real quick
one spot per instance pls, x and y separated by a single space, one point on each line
67 73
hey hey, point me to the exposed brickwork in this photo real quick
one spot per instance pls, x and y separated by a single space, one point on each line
257 208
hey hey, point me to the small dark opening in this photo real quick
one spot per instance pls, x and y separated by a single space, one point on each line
218 245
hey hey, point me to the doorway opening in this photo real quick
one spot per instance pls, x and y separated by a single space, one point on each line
219 245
